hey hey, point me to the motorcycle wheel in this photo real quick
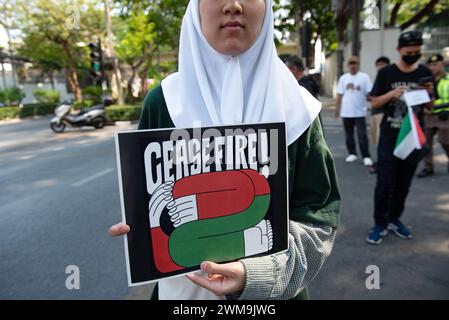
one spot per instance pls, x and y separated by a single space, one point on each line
57 128
99 122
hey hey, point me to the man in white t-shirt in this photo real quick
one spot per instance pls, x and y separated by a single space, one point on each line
352 91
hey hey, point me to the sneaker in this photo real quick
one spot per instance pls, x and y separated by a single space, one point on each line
376 234
367 162
399 229
351 158
425 173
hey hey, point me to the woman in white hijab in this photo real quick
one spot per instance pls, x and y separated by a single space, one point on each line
229 73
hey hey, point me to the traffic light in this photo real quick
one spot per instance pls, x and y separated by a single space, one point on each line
96 61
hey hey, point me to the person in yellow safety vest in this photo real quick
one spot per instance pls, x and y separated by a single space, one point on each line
438 120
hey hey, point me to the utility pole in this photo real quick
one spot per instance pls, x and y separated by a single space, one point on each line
110 45
356 8
13 65
382 27
342 13
3 69
6 22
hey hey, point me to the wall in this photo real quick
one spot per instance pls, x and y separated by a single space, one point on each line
371 50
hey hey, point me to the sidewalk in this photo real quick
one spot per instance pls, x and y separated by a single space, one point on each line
409 269
328 102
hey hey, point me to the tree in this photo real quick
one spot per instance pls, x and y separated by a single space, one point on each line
111 53
8 20
136 42
410 12
45 56
319 15
66 25
148 28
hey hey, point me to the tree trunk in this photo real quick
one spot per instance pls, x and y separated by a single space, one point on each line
72 75
343 13
143 80
3 76
130 85
394 13
52 80
131 80
356 7
115 64
421 14
13 63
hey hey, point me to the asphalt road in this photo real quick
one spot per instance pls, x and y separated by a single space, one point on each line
408 269
59 194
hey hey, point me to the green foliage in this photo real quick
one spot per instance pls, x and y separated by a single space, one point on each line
9 113
29 110
37 109
166 15
408 10
11 96
93 94
136 37
86 103
55 34
123 113
318 13
47 96
436 20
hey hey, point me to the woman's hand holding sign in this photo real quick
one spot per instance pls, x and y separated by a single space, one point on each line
221 279
119 229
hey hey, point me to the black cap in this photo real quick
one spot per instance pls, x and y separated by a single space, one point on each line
410 38
435 58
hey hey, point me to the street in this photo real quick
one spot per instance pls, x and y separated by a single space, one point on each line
59 195
409 269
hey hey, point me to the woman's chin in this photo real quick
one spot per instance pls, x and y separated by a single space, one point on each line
232 48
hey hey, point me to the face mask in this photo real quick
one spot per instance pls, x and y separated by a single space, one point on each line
410 60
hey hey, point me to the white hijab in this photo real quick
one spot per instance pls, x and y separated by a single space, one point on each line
215 89
254 87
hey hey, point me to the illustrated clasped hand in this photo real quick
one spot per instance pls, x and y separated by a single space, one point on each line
181 210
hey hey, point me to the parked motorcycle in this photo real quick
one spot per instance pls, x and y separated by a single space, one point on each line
93 116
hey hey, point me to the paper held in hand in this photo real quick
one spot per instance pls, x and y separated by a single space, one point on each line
416 97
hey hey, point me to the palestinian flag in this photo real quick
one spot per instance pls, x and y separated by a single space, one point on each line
411 137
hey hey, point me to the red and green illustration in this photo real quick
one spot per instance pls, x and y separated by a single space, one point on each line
217 216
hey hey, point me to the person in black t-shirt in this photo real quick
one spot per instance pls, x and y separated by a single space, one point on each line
296 66
394 176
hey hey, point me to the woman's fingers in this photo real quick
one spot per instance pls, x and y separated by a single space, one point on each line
215 268
119 229
222 278
201 281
